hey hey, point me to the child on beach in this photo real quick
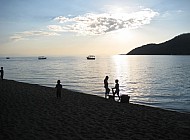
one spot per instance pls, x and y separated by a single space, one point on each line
2 73
116 88
59 88
106 86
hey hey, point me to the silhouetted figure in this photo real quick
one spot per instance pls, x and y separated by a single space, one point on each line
116 88
107 90
59 88
2 73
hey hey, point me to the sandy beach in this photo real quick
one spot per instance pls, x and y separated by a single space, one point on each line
31 111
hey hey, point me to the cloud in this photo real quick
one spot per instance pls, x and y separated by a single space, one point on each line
31 34
57 28
96 24
168 14
16 37
92 24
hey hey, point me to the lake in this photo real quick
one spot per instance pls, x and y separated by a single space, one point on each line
161 81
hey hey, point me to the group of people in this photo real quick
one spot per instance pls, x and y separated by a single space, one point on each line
115 90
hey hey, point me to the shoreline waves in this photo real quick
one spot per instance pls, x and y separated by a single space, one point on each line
30 111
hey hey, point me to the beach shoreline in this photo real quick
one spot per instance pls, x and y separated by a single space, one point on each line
30 111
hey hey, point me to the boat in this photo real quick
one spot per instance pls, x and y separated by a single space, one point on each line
42 57
90 57
7 57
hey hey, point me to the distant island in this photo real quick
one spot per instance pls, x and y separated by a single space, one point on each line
179 45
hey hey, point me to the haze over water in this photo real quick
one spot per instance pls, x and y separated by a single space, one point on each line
161 81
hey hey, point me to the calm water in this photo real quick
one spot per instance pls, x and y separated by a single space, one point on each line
162 81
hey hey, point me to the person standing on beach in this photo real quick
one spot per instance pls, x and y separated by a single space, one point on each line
106 86
59 88
2 73
116 88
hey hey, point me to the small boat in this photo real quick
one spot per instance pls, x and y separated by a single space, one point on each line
41 57
90 57
7 57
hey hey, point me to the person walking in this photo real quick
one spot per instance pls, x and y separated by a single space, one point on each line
2 73
116 88
107 90
59 88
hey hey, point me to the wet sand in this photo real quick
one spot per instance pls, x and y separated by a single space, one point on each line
33 112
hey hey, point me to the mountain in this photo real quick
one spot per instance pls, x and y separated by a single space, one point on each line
179 45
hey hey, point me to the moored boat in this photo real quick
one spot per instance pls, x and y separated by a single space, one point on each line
41 57
91 57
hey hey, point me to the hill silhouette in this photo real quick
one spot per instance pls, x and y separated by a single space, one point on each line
179 45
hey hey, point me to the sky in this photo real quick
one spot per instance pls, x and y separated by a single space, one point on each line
83 27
